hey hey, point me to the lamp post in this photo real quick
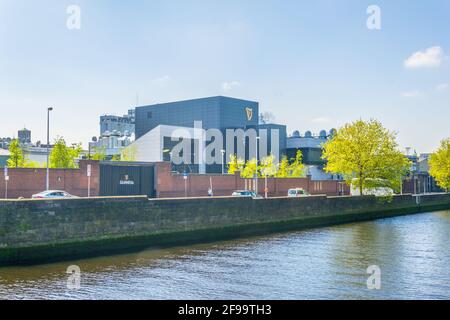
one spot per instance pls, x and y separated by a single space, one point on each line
6 181
223 161
256 167
185 177
47 180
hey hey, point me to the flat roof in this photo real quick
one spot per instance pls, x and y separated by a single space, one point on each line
197 99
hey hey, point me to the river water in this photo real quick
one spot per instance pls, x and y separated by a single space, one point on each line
412 252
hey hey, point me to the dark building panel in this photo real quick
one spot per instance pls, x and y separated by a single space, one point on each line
214 112
311 156
118 179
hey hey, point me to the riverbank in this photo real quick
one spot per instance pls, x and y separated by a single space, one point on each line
320 263
42 231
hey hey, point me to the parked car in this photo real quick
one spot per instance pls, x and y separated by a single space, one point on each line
53 194
298 192
244 194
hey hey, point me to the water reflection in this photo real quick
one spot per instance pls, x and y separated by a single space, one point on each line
328 263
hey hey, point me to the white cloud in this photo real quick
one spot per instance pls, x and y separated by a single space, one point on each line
442 87
411 94
431 57
227 86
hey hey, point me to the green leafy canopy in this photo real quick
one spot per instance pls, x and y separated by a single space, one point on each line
367 155
440 165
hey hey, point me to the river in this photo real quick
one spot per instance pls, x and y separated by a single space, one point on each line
412 252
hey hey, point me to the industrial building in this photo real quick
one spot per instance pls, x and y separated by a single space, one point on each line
160 127
4 156
311 146
116 133
24 136
214 112
120 125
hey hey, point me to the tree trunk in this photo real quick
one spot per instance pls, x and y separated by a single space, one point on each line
360 184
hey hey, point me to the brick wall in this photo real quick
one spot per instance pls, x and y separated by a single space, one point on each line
24 182
169 185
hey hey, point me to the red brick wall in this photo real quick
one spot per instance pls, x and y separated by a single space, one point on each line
170 185
24 182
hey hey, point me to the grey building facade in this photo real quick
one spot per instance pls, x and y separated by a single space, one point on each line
119 125
24 136
214 112
221 113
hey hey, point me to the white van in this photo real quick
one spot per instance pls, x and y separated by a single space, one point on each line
298 192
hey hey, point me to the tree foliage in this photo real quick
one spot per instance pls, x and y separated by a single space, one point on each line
99 154
283 168
367 155
115 157
129 153
440 165
63 156
297 169
235 164
33 164
250 169
268 168
16 157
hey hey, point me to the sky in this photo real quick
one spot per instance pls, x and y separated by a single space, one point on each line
313 64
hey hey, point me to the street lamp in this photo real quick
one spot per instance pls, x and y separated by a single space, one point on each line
47 180
223 161
256 167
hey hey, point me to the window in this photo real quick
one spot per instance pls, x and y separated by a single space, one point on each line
149 115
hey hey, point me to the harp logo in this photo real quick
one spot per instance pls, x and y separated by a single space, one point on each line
249 112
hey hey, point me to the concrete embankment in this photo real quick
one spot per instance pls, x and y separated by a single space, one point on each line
41 231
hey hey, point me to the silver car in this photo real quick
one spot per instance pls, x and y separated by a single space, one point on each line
243 194
53 194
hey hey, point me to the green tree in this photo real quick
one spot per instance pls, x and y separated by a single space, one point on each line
250 169
367 155
268 167
33 164
235 164
63 156
16 157
115 157
99 154
297 169
440 165
283 168
129 153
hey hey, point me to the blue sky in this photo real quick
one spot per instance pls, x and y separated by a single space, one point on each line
314 65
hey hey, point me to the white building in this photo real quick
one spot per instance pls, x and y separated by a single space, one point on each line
156 146
112 143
